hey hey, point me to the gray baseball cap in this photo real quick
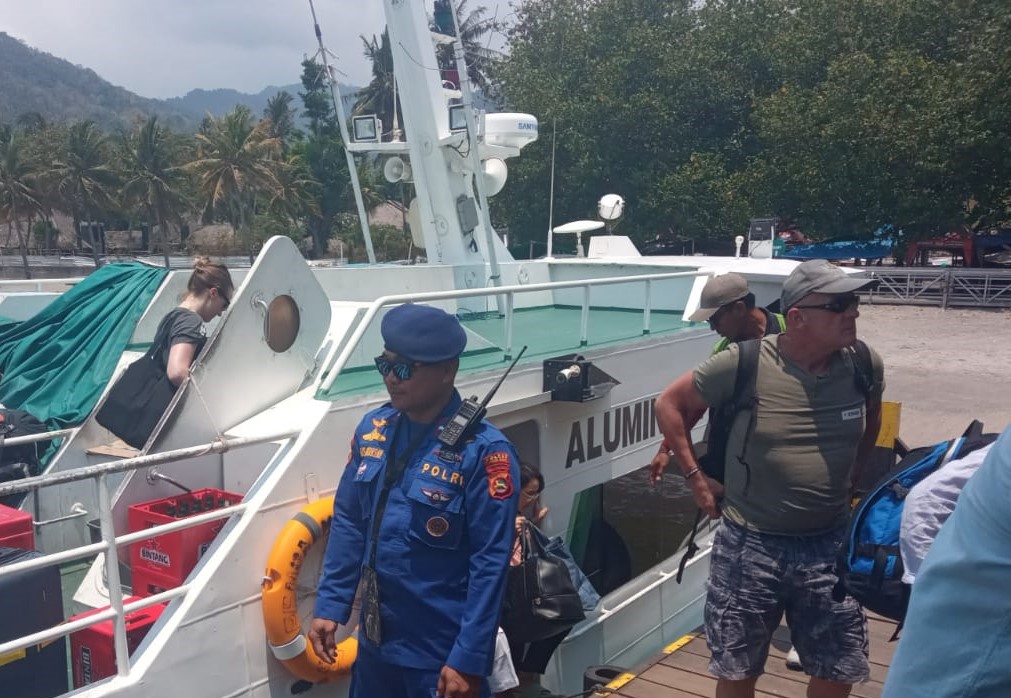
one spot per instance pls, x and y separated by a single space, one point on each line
718 292
819 276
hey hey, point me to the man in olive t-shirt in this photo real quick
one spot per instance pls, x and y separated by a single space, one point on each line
786 492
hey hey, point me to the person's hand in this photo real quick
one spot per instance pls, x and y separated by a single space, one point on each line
539 512
321 635
705 498
656 466
715 486
453 684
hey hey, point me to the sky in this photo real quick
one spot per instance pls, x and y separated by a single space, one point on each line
165 48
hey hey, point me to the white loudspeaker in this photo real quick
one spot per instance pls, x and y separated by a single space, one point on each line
495 173
414 220
396 170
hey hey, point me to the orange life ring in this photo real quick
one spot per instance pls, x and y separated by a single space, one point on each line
280 609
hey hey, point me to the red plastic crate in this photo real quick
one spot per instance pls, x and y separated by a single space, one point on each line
92 653
16 529
170 557
148 583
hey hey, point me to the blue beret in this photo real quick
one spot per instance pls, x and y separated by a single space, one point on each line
423 333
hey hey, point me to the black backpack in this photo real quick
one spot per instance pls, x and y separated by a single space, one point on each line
19 461
745 397
870 564
721 419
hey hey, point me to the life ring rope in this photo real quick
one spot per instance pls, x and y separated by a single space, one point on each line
280 603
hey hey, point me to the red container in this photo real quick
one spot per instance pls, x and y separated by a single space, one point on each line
170 557
92 653
16 529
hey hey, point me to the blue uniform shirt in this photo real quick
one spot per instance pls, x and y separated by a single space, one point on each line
443 543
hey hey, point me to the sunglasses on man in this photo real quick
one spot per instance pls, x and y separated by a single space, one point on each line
401 368
715 318
838 305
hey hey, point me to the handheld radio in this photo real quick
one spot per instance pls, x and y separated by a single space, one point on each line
470 411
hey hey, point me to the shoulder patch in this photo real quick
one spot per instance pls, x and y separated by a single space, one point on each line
500 483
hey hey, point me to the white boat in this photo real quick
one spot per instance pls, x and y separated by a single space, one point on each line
287 373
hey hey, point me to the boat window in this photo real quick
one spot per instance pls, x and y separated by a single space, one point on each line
282 323
625 526
525 438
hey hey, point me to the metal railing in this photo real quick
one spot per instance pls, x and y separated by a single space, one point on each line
979 288
509 293
110 543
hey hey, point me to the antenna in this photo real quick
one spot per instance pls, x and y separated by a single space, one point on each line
498 383
551 195
322 54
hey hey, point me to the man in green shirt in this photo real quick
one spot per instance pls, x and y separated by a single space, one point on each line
789 467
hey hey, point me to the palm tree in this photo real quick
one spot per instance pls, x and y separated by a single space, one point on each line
83 178
281 116
18 195
234 162
295 194
473 30
153 177
378 96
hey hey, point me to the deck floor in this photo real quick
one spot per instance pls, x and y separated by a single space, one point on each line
682 670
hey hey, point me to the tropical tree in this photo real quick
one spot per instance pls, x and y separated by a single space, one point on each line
281 116
379 96
322 152
83 178
18 195
294 197
235 165
154 177
474 29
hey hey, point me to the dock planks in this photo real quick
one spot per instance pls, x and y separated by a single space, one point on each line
682 670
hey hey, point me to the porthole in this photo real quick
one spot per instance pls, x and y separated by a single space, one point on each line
280 327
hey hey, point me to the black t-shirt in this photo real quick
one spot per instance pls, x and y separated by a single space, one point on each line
183 326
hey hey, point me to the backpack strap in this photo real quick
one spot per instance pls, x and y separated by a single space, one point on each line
863 367
746 396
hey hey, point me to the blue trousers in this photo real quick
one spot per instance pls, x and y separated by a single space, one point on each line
371 677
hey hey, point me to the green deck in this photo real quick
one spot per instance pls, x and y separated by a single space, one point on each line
546 331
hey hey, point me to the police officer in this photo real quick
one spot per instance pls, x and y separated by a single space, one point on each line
427 529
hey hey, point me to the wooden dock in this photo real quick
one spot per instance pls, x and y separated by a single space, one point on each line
681 670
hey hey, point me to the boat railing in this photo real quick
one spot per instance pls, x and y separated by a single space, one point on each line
508 293
35 285
110 542
41 436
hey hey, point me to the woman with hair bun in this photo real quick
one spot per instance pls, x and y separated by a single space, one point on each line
208 294
138 399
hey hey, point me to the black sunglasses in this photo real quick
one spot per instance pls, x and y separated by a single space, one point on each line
839 304
401 368
225 299
714 319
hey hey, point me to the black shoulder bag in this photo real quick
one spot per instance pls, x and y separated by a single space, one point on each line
541 600
139 398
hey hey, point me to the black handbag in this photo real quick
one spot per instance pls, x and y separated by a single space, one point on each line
139 398
541 599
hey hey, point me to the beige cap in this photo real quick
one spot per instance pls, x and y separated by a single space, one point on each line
718 292
819 276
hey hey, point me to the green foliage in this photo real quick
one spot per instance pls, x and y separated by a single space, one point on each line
841 115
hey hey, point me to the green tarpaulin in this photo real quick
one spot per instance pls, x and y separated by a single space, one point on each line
56 364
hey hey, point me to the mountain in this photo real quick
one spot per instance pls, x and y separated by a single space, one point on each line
220 101
223 100
33 81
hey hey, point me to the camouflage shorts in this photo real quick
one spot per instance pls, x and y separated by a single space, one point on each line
754 578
